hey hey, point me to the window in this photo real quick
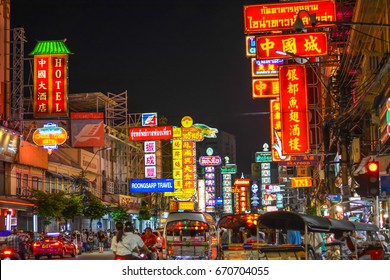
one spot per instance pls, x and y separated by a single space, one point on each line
47 187
25 188
36 183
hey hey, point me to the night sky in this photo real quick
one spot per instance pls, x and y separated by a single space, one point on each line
174 57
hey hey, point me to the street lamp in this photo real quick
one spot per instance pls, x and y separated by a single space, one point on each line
83 172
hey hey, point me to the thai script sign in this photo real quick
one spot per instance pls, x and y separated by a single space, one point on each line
264 17
151 133
210 160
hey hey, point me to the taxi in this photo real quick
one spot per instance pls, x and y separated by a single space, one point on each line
53 244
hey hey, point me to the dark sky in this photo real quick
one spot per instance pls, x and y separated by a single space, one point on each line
176 58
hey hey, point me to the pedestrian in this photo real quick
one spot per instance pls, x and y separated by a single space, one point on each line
125 244
101 239
90 241
15 243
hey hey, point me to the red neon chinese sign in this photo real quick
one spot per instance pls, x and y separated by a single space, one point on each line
294 109
305 44
50 85
276 132
265 17
265 88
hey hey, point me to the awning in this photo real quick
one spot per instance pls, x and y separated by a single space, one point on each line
341 225
53 174
365 227
294 221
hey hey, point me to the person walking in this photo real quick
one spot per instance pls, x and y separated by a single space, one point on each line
15 243
125 244
90 241
101 239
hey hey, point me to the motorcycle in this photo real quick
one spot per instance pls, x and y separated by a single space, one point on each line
9 254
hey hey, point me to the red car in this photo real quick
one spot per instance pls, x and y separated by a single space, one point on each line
53 244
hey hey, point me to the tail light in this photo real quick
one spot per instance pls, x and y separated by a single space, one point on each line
7 252
56 244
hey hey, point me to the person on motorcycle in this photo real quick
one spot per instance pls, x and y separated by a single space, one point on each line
125 244
150 240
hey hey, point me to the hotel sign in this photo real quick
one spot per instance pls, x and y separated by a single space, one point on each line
265 17
50 85
303 44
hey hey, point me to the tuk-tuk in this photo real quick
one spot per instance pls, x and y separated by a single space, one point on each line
284 221
189 236
370 249
233 233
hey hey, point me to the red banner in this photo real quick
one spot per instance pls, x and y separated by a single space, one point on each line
294 109
303 44
264 17
151 133
50 85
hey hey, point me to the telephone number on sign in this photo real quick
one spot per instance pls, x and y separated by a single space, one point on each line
240 270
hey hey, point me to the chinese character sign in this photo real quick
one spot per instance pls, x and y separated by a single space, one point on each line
294 109
263 17
303 44
276 131
265 88
50 85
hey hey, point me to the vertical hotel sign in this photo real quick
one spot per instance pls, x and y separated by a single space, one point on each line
50 79
294 109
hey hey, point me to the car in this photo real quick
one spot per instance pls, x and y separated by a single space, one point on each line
53 244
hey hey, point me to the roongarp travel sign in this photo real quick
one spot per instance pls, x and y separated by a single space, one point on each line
151 185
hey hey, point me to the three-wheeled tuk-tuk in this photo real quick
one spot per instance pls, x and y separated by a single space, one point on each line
189 236
284 220
371 248
233 239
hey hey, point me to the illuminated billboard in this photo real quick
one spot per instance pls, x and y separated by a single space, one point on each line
50 79
294 109
50 136
151 133
265 88
265 17
302 44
